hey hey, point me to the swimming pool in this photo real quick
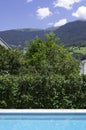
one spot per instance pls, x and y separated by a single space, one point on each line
42 120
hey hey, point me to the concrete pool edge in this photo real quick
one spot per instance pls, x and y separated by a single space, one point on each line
42 114
43 111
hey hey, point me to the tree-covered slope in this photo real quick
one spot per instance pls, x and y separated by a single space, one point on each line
18 37
70 34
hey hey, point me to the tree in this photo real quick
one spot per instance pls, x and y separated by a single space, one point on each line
15 61
3 60
45 75
48 56
11 61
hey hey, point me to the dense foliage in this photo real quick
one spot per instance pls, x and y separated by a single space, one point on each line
44 75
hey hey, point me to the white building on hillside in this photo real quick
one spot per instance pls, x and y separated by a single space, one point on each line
3 43
83 67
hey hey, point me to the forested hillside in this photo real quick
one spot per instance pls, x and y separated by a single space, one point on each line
70 34
73 33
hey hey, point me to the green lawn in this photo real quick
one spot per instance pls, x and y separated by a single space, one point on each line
81 50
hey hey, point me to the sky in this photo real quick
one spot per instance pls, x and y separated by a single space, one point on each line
16 14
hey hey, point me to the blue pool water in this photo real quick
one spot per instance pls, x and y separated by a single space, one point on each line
30 121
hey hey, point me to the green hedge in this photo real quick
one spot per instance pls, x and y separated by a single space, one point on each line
46 91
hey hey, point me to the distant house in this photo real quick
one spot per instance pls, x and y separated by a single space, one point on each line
4 44
83 67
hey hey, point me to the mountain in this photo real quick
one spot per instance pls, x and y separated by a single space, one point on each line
73 33
19 36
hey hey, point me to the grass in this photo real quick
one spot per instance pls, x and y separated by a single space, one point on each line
81 50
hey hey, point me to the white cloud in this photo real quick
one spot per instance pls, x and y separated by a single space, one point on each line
28 1
65 3
80 12
43 12
60 22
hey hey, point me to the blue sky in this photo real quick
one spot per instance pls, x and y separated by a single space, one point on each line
16 14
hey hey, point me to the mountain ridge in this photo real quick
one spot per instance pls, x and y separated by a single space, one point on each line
69 34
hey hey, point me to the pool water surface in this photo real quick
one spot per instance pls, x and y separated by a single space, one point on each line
42 121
